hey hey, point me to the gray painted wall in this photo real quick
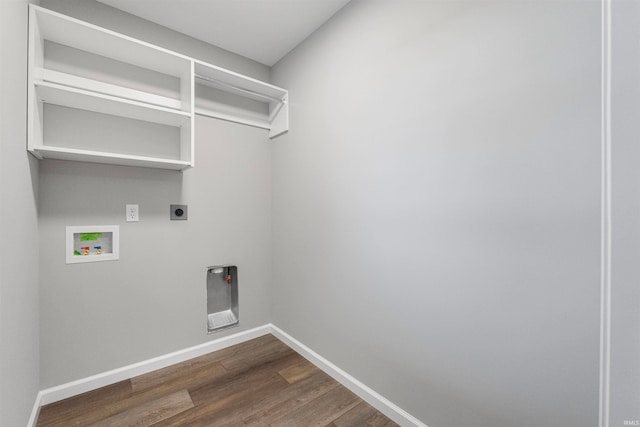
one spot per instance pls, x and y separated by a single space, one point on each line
19 347
625 321
133 26
436 206
100 316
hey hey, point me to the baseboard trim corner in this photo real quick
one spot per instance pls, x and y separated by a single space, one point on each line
35 412
382 404
73 388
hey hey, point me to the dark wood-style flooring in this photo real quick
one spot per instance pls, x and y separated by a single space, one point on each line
261 382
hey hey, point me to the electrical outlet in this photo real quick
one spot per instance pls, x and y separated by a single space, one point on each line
178 212
132 213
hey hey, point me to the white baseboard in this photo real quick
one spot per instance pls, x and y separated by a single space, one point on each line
374 399
33 419
93 382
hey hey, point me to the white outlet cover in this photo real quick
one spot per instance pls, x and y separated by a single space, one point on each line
132 213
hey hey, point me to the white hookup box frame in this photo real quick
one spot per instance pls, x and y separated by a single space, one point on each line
92 243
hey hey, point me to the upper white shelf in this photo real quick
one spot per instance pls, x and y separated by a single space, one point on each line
277 119
239 83
81 35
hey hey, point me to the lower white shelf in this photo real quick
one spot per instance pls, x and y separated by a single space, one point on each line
50 152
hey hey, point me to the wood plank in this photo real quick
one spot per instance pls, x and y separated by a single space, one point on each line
298 372
113 407
226 408
151 412
234 381
198 371
277 406
258 355
189 374
363 414
320 411
226 353
64 412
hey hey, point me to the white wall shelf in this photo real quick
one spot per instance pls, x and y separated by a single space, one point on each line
72 32
65 96
276 116
260 104
58 153
81 92
91 85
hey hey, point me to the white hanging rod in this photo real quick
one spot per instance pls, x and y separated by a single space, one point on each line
238 89
233 119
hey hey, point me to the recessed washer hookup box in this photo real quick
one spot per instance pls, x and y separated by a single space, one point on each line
222 297
92 243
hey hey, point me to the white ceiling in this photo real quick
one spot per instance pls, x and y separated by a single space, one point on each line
263 30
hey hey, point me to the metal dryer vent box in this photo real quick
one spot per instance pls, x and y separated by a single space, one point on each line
222 297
